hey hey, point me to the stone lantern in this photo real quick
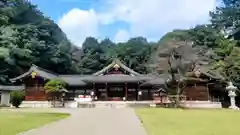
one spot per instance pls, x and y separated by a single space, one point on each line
232 94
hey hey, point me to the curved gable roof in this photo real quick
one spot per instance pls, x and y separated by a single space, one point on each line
40 71
119 63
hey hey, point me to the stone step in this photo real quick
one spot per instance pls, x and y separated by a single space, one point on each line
110 105
101 106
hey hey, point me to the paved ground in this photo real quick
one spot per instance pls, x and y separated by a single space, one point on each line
94 121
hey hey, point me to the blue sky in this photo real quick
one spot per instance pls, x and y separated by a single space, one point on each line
122 19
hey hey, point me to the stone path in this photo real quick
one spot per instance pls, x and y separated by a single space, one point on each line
94 121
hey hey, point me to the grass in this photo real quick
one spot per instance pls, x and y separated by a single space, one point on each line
190 122
12 123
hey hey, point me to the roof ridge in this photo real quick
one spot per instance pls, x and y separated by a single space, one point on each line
117 61
127 68
40 68
74 75
36 69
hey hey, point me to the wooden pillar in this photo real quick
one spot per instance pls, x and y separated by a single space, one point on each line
208 94
138 88
106 91
36 85
94 87
36 90
150 95
94 90
74 94
126 91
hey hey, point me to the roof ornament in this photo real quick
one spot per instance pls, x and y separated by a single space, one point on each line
116 66
197 71
33 74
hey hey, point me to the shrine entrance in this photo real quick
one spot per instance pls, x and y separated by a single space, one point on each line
116 92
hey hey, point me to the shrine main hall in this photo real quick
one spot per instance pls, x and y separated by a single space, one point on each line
115 82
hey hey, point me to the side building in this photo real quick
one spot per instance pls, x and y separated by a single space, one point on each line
5 91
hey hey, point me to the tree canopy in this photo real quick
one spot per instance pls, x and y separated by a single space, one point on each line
28 37
210 42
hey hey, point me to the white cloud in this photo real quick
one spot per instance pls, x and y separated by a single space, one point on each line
121 36
79 24
149 18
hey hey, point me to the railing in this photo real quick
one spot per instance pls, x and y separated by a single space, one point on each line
33 89
35 94
35 98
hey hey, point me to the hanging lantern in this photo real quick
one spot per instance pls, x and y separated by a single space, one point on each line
33 74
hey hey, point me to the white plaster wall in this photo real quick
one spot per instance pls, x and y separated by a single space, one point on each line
39 104
5 98
71 104
201 104
35 104
47 104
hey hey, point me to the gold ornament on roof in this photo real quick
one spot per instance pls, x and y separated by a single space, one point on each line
116 66
197 73
33 74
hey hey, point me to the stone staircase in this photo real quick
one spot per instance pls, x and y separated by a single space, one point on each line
109 105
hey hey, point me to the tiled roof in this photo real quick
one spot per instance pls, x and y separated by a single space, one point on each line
11 88
40 71
73 80
119 63
118 78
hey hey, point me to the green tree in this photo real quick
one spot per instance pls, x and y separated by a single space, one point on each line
16 98
226 16
54 87
178 35
204 35
126 51
225 19
228 63
32 38
93 58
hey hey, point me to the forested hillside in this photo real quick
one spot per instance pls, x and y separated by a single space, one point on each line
210 42
27 37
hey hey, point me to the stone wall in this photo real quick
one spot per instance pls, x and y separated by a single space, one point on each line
47 104
201 104
74 104
5 98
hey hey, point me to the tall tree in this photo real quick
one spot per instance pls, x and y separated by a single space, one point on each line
226 16
31 38
134 53
93 56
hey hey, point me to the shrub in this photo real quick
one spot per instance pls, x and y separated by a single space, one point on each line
16 98
54 87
